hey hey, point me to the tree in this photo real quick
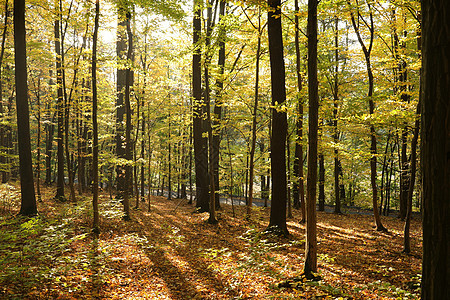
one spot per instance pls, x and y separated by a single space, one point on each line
28 199
200 142
95 224
254 115
311 188
3 158
59 106
212 189
279 119
128 143
373 139
121 47
335 88
299 187
435 145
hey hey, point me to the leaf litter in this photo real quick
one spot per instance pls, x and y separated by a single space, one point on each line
172 252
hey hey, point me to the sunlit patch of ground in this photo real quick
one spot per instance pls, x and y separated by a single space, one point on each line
173 253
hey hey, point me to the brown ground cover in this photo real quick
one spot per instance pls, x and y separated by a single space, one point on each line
173 253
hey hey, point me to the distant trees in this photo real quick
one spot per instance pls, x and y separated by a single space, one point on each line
228 96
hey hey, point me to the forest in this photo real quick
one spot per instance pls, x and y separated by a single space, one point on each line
224 149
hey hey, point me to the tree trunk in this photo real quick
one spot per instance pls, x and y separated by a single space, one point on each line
121 48
212 190
373 138
321 182
337 199
254 115
200 142
28 199
289 200
128 125
279 119
299 187
435 145
49 130
143 149
311 233
38 150
219 103
169 161
95 225
3 159
60 112
412 179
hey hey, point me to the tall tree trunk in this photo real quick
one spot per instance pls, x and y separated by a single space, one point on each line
299 187
401 77
212 193
191 192
143 145
60 110
337 199
384 172
4 177
95 224
412 179
289 182
414 141
435 145
373 138
230 189
28 199
200 142
169 161
128 126
38 155
67 104
279 119
121 48
219 103
254 121
150 153
321 182
311 232
49 133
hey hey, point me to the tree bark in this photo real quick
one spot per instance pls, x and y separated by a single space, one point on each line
321 182
200 142
121 48
219 102
279 119
28 199
3 159
337 199
254 115
95 225
435 145
299 186
128 126
60 112
311 233
373 138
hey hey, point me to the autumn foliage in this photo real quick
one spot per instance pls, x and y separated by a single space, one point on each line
173 253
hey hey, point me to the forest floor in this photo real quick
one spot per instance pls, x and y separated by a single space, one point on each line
173 253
